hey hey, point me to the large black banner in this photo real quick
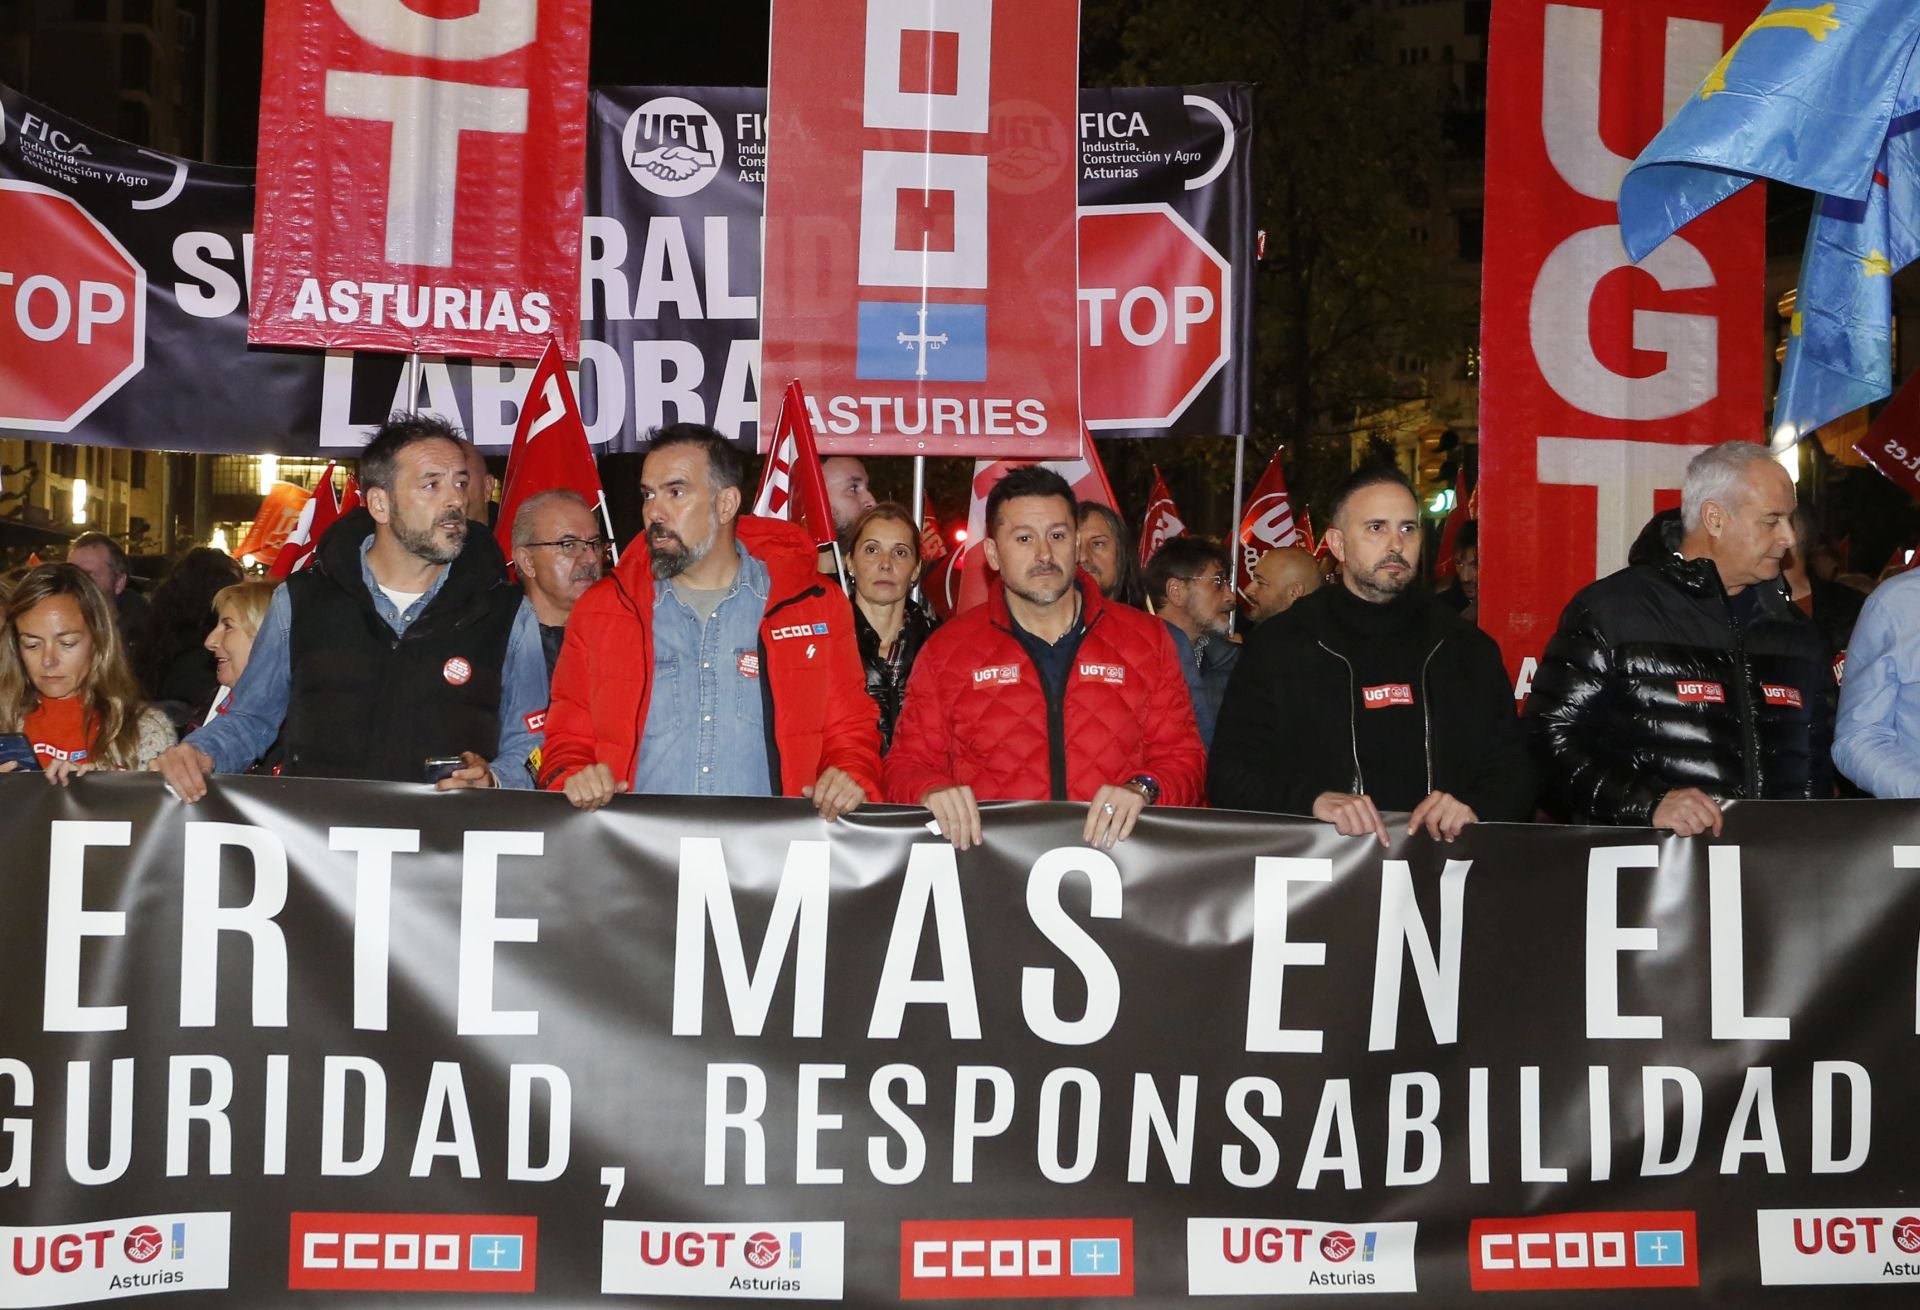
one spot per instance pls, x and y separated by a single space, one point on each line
373 1040
124 323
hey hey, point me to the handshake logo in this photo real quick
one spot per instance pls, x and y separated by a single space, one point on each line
672 146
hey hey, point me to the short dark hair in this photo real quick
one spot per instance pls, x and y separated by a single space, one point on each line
1029 480
403 428
116 553
725 468
1467 536
1185 558
1368 475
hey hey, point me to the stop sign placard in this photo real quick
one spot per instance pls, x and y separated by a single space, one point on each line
73 307
1154 315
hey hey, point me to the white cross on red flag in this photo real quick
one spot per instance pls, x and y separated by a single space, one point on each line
1163 522
550 448
1267 524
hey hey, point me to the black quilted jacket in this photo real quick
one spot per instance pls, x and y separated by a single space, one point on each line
1649 686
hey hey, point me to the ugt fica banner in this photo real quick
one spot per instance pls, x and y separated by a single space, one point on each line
371 1039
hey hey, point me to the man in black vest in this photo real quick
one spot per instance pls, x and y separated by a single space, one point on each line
403 643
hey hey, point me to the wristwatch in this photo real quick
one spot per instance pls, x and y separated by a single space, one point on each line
1146 786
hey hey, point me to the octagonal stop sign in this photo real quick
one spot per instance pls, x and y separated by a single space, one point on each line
72 310
1154 315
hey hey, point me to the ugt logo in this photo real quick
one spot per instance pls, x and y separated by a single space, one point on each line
672 146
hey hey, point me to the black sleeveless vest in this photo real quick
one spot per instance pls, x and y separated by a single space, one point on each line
366 704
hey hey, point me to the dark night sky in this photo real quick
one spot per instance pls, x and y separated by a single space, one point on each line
635 43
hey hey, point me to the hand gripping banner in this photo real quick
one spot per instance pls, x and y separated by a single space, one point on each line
371 1040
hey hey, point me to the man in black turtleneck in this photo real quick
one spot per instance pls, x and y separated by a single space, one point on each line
1372 695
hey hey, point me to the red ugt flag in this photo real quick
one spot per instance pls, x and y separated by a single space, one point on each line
550 448
1162 523
1267 524
792 485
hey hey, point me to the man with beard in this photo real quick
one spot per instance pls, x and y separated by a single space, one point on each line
1190 583
713 660
1048 691
1107 553
403 643
1689 680
559 553
1372 696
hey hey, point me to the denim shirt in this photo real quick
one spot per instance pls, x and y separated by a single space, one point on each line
258 706
706 721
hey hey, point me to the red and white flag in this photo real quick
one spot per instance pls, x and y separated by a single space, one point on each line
1466 508
1267 524
792 485
280 513
1307 539
961 581
550 449
1162 523
322 510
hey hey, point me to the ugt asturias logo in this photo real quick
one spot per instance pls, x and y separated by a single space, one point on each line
672 146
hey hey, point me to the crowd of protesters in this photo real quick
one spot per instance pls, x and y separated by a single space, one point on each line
721 657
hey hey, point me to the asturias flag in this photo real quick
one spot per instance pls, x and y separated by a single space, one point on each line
1823 97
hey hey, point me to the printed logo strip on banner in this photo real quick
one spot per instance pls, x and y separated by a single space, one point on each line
412 1252
1804 1247
778 1260
1298 1257
1622 1248
92 1260
965 1259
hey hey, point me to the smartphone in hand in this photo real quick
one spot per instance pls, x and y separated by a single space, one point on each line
15 749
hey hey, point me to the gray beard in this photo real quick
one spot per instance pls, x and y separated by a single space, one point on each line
424 545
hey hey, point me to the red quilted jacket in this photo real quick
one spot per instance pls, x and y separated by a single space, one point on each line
817 686
977 714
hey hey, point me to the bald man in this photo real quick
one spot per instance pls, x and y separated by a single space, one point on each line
1280 577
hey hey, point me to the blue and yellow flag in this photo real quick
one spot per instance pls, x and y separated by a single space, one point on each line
1805 96
1840 347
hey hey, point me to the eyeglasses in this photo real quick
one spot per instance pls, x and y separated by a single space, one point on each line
1217 579
576 545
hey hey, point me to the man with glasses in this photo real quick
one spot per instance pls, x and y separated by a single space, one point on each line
1371 696
1191 586
559 552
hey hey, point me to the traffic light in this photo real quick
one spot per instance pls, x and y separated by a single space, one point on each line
1434 461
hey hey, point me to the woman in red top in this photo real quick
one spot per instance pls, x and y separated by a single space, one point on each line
65 681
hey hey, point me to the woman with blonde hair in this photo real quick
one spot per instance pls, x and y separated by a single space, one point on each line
239 611
65 682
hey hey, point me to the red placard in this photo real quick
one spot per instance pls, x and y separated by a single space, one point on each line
1599 380
422 170
919 274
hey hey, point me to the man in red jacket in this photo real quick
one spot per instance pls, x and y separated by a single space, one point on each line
1046 692
714 660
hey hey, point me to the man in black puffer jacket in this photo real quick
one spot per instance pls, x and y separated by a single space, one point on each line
1372 694
1674 686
